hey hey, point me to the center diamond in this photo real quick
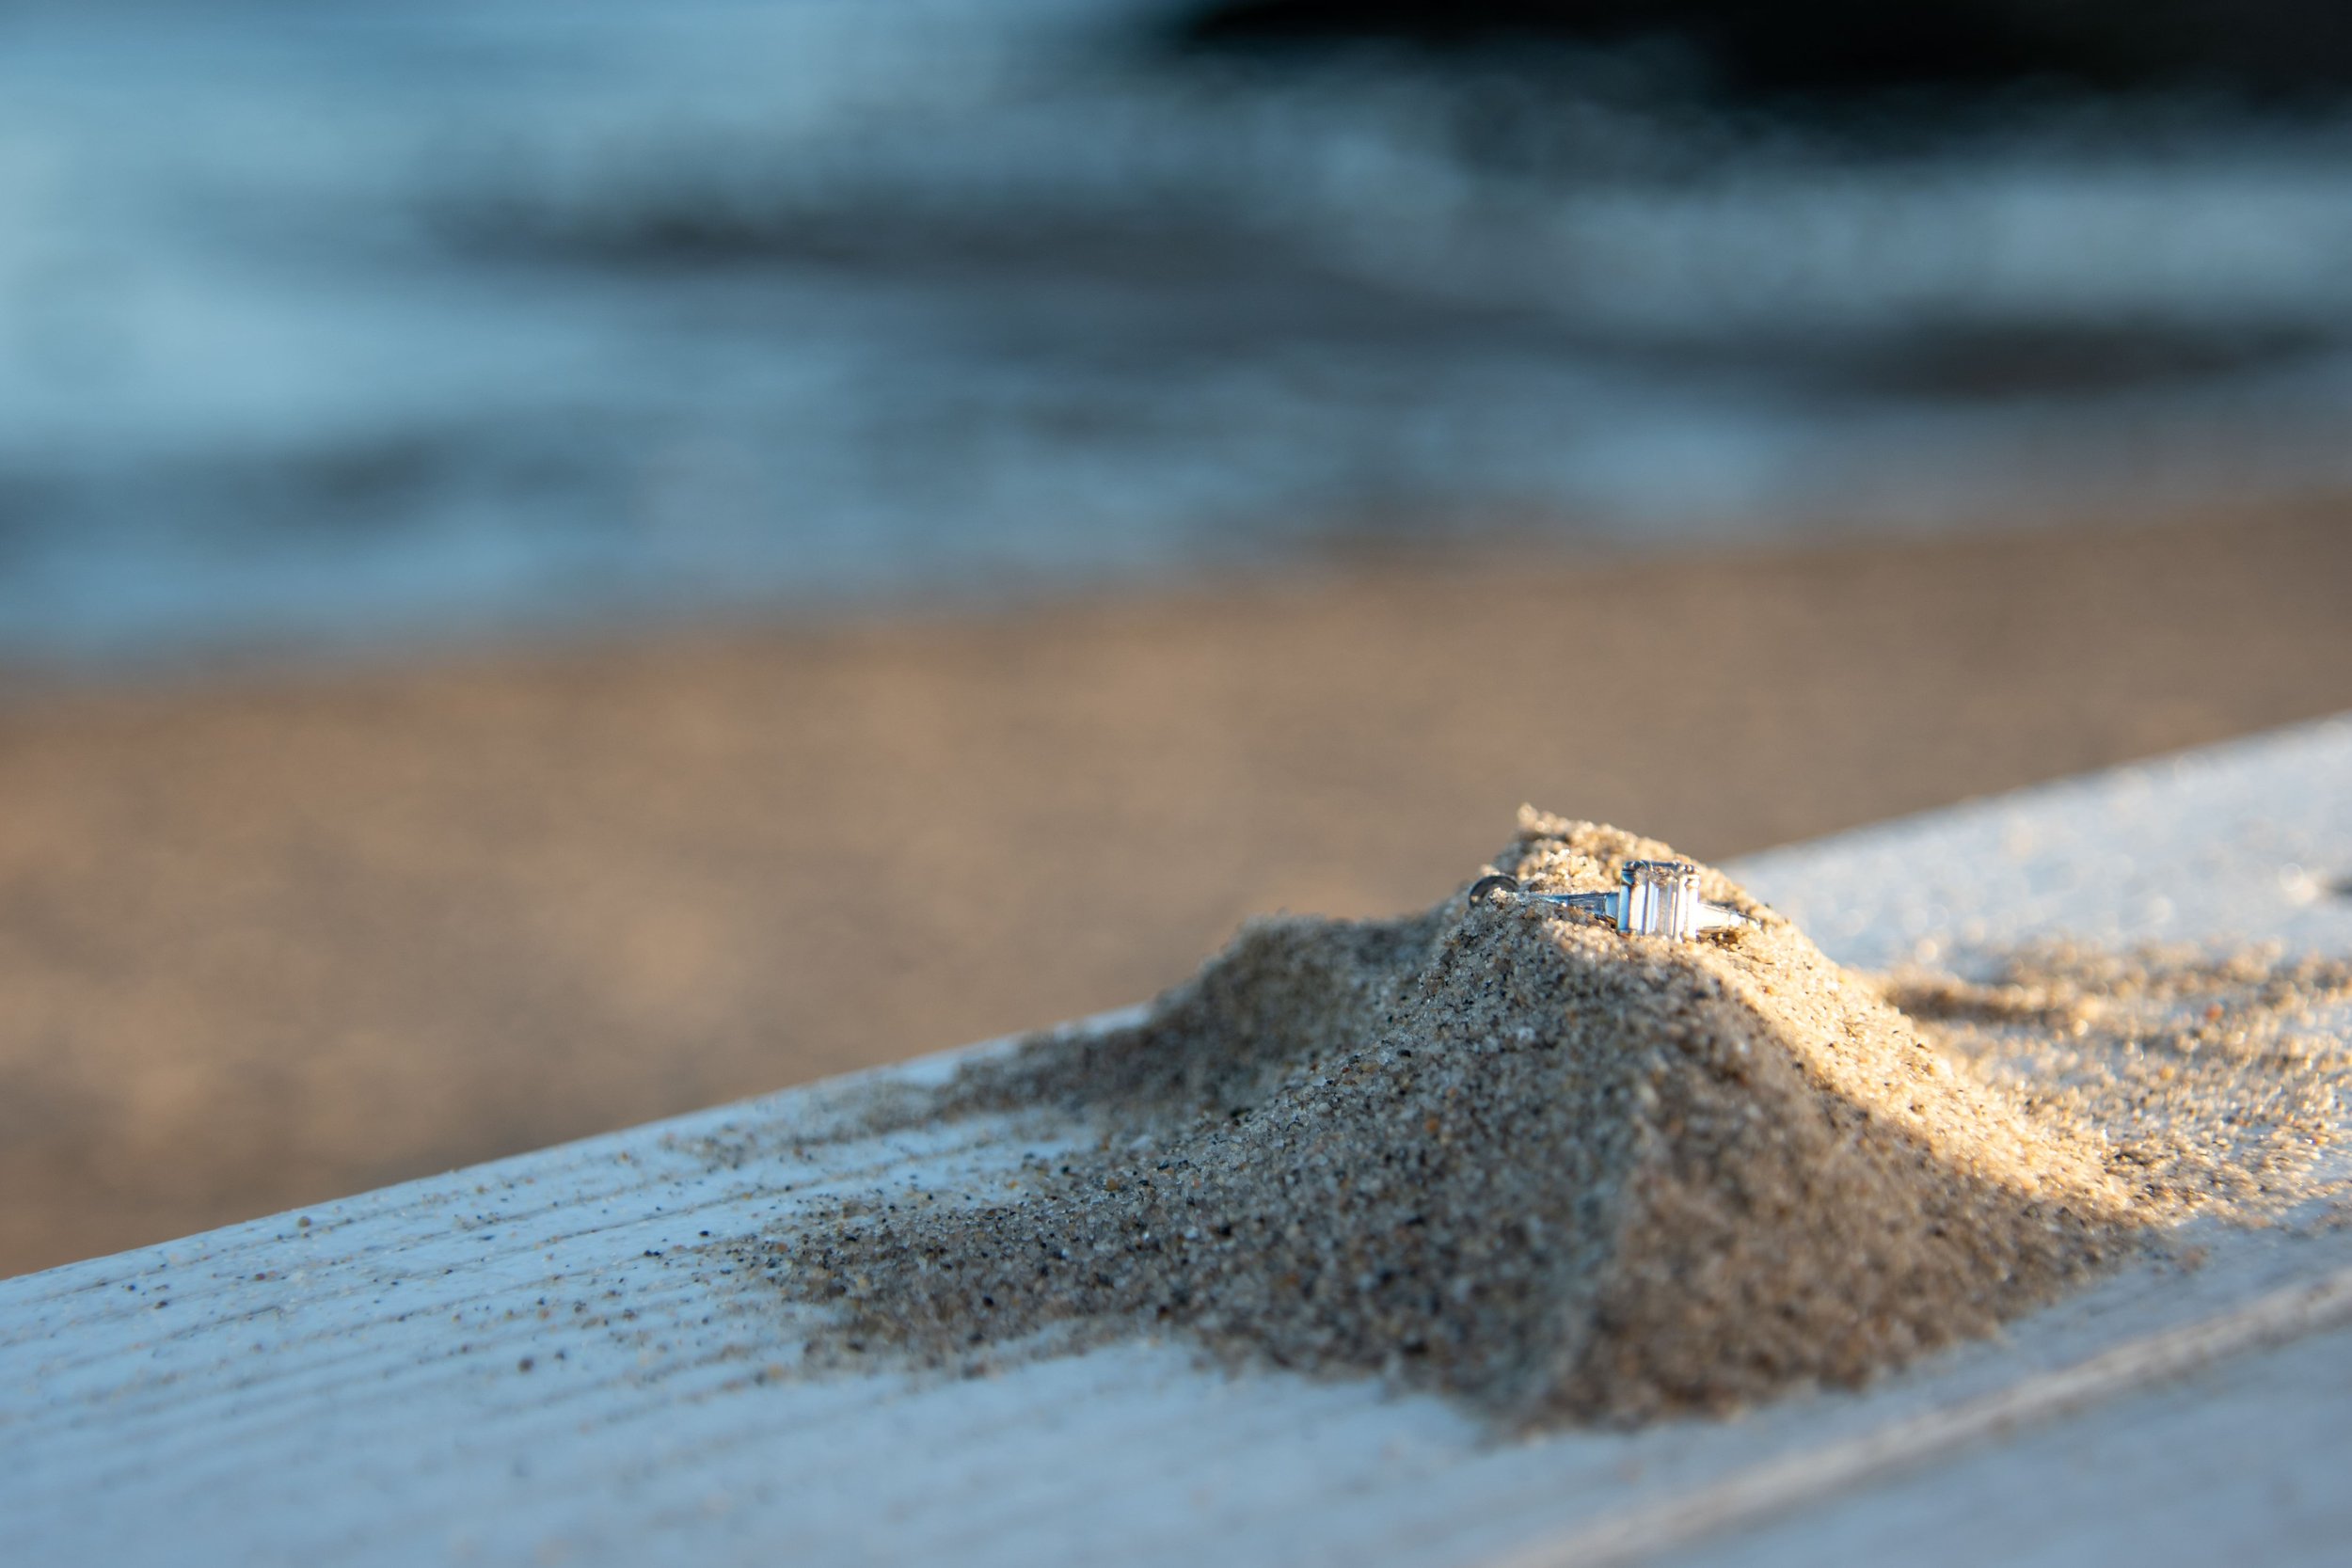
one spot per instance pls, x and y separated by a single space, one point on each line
1660 899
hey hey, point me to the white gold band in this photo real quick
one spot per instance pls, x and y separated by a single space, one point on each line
1659 899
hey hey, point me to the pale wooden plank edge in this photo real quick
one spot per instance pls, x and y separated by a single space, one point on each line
1781 1487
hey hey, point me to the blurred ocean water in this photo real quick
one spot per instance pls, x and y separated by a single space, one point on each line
343 325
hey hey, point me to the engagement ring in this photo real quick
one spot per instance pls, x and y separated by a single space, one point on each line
1659 899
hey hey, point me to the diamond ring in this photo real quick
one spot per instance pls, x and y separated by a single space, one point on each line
1659 899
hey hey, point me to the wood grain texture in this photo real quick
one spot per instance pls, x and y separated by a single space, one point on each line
552 1359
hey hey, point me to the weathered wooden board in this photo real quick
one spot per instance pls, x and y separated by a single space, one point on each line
548 1359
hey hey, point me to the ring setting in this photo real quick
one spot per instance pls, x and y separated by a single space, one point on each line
1657 898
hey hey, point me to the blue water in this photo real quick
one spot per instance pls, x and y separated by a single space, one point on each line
336 325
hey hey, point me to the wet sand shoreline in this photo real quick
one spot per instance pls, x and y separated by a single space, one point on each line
268 941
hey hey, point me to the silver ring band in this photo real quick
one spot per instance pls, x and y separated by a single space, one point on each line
1657 898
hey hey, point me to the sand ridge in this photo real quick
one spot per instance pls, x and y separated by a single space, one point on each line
1499 1152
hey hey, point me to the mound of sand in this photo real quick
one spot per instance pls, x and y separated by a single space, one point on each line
1499 1152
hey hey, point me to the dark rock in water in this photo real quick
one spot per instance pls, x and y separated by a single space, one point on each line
2264 49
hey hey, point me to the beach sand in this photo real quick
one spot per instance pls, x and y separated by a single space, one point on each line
265 940
1566 1173
1495 1151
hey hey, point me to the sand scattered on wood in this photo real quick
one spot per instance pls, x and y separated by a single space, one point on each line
1562 1174
2218 1082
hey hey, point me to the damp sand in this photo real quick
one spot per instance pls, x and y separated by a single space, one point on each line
1503 1153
